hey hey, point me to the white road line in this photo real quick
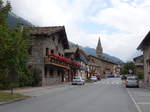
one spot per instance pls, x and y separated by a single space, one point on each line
112 82
143 103
138 108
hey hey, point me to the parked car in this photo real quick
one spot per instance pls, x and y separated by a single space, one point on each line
123 77
132 82
77 80
110 76
116 76
93 78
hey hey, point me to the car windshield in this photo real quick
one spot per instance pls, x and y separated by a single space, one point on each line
93 77
131 78
77 77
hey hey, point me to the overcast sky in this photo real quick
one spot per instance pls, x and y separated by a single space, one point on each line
120 24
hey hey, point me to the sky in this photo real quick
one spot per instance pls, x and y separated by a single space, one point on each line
120 24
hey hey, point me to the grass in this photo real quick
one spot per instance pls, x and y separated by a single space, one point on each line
4 96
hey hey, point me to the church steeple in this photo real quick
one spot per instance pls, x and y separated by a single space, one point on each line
99 49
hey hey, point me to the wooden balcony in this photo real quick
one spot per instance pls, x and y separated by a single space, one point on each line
49 60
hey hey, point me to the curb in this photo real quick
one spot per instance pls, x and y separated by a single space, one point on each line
12 101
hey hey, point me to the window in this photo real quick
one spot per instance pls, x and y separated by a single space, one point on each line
57 48
53 38
59 41
51 72
58 72
52 51
45 71
47 51
30 50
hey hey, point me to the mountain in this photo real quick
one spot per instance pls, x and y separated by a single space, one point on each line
92 51
13 20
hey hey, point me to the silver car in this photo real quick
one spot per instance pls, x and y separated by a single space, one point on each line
77 80
93 78
132 82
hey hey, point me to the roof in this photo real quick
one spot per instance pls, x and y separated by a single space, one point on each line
72 49
138 57
144 42
47 31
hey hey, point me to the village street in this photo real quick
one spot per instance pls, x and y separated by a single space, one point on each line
107 95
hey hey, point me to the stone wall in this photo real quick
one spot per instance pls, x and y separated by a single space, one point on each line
36 59
53 45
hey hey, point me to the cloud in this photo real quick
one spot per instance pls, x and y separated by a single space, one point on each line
129 17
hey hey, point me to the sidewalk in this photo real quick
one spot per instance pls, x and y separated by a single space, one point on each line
34 89
144 85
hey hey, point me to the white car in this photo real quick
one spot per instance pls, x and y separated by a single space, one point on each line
132 82
77 80
93 78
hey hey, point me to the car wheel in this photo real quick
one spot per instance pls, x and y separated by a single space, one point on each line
137 86
126 86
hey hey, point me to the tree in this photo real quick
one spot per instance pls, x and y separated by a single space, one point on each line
4 11
14 44
129 68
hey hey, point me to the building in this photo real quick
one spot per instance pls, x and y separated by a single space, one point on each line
47 54
102 65
72 53
96 65
139 63
77 54
145 47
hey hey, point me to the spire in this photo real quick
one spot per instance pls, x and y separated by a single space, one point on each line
99 49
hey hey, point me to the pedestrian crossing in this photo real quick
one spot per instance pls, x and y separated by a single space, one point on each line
110 82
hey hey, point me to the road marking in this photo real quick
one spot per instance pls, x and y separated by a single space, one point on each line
138 108
143 103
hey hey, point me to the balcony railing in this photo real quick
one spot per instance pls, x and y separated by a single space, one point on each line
60 61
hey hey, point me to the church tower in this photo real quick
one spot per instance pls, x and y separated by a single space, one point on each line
99 49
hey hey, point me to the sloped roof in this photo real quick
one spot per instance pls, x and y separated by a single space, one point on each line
47 31
72 49
145 41
138 57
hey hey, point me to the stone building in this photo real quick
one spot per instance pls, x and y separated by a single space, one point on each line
47 54
145 47
77 54
72 53
82 58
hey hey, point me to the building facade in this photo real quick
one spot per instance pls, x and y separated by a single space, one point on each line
77 54
139 63
145 47
47 54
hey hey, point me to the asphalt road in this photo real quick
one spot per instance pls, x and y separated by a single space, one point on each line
104 96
